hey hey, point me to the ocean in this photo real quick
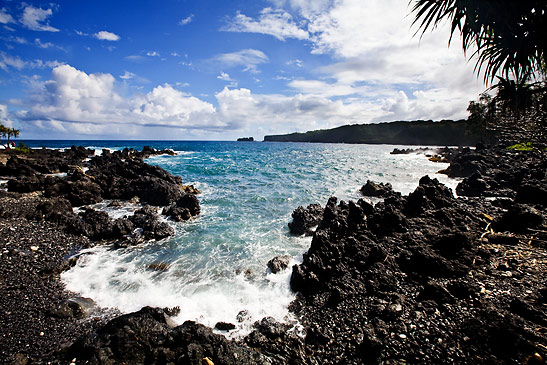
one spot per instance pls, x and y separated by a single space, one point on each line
214 267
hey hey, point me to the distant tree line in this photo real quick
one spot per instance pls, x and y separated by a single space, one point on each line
507 39
418 132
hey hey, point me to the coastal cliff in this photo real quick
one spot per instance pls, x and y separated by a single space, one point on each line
420 132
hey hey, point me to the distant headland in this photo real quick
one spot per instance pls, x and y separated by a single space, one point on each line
419 132
246 139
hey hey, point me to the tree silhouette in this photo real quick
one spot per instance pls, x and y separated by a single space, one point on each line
506 36
8 133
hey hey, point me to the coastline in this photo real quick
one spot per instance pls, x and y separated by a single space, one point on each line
336 288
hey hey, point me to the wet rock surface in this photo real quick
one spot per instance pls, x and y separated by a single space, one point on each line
305 219
377 190
279 263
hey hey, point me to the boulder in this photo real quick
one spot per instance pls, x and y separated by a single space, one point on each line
474 185
223 326
26 184
185 207
279 263
518 219
377 190
304 219
147 219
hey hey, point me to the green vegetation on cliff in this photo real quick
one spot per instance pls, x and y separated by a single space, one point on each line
420 132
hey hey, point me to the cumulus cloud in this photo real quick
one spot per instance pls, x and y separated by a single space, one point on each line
378 59
104 35
5 17
248 58
276 113
277 23
152 54
36 19
4 117
72 101
187 20
73 96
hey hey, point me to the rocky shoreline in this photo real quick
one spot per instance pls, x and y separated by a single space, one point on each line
423 278
45 221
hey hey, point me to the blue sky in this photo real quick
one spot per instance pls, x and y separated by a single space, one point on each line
218 70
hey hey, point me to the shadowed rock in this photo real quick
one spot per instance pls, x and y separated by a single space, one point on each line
304 219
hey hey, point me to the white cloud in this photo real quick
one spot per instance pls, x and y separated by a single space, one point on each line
280 113
248 58
277 23
379 60
135 58
307 8
39 43
5 18
104 35
135 78
127 75
325 89
7 61
152 54
4 117
76 102
20 40
72 96
224 76
167 106
296 62
187 20
36 19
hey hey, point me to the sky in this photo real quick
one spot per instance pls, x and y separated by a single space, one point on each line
219 70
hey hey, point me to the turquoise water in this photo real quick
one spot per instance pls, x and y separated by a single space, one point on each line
214 266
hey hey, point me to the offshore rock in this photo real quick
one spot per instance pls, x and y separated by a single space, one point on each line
279 263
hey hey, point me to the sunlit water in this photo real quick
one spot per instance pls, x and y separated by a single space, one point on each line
214 267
